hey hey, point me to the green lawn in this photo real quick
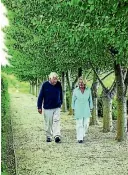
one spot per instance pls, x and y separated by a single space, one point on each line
17 86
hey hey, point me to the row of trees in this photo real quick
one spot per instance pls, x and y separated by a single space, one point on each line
68 37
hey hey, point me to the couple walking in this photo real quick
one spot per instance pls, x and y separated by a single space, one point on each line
51 97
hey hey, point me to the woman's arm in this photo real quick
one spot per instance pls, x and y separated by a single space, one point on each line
90 100
73 100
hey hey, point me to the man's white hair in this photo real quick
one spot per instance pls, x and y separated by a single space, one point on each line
53 75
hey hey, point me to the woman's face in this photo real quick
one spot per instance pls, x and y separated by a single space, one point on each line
81 84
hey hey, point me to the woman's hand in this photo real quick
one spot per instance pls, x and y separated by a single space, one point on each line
73 112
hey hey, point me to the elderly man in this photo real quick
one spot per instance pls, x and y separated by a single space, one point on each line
51 97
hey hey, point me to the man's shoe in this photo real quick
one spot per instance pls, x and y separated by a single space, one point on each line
80 141
48 139
57 139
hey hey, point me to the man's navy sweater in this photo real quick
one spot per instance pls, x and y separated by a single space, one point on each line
50 95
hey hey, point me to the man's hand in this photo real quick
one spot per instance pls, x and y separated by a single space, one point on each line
40 111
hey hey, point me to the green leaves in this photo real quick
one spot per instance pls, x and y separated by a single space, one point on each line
74 2
60 35
91 1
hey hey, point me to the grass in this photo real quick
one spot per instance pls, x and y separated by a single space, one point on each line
107 82
4 173
17 86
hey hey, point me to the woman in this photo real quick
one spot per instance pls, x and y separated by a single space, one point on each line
82 106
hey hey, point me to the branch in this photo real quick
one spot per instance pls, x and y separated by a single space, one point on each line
104 72
104 88
112 89
107 75
89 74
103 77
113 84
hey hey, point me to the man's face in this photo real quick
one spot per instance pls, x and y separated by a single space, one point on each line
81 84
53 80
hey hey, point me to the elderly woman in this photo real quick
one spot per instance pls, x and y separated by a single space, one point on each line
51 97
82 106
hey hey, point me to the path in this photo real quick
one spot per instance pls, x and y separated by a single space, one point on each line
99 155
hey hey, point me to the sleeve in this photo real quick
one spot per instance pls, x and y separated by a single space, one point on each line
90 100
40 97
61 94
73 100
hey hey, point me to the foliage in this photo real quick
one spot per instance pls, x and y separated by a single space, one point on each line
58 35
4 119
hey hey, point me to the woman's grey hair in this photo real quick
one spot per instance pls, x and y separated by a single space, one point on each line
53 75
83 79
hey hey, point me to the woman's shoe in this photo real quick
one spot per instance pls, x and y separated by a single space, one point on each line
80 141
48 139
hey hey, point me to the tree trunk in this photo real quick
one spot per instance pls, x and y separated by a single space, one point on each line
30 90
79 72
121 103
125 115
70 93
37 87
33 88
107 113
64 106
94 118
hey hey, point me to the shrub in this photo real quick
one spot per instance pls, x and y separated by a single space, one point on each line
4 120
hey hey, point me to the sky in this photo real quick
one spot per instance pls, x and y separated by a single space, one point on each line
3 22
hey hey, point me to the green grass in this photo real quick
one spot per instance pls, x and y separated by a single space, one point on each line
107 82
16 86
4 173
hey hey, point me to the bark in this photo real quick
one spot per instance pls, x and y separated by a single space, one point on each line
108 94
64 106
94 118
121 103
125 115
79 72
33 87
107 113
37 90
30 90
126 83
70 93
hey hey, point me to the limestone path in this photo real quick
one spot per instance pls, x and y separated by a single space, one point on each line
100 154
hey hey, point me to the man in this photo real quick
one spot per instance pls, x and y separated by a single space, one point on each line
82 106
51 97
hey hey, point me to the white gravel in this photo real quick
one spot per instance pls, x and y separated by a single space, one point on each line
100 154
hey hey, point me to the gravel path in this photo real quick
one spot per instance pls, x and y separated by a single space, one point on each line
100 154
